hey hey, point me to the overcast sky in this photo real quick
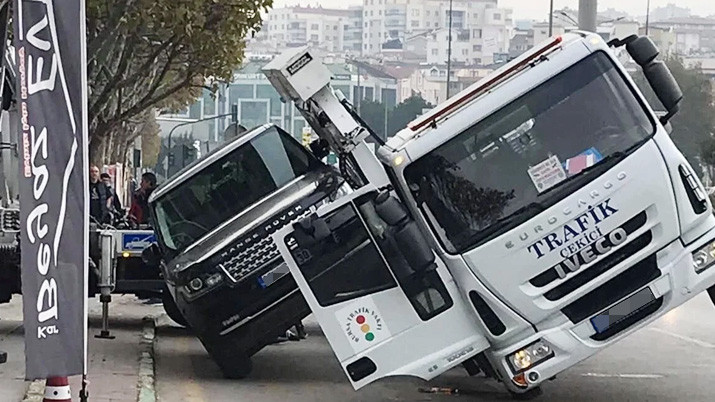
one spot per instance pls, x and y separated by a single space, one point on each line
539 9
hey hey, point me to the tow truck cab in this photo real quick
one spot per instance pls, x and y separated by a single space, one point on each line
555 217
213 222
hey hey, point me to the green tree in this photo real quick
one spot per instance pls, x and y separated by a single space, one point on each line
146 54
404 113
373 113
694 124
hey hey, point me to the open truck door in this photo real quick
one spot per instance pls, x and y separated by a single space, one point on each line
386 310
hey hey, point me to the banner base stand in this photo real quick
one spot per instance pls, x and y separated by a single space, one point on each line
104 333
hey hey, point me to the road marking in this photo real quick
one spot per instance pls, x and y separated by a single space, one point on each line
636 376
685 338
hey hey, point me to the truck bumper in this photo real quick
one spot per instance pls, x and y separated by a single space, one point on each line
572 343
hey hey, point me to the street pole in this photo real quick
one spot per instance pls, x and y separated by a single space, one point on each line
647 17
587 15
551 18
449 48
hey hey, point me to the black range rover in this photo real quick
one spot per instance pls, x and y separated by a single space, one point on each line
214 220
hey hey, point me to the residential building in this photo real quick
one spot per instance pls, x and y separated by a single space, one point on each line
479 27
692 34
317 26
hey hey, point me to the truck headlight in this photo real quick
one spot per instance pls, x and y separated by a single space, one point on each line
704 257
530 356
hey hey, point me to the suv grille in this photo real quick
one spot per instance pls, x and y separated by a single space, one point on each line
256 249
10 220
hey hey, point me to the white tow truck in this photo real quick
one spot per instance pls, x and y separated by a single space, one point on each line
522 226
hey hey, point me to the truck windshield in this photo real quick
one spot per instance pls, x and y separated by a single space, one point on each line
530 154
230 185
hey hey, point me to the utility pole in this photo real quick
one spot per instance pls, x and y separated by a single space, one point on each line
647 18
587 11
449 48
551 18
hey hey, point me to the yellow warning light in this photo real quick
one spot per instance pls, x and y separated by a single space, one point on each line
398 160
125 254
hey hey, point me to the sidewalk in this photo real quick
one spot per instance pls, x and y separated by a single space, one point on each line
113 363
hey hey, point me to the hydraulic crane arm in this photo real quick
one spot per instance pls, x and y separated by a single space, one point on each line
300 77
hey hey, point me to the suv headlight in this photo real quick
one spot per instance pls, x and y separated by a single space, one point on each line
704 257
530 356
198 281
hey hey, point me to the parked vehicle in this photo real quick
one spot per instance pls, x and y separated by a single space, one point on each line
214 221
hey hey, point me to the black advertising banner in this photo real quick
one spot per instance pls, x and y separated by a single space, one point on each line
50 57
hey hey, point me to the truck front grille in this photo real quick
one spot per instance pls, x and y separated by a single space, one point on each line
600 266
257 249
615 289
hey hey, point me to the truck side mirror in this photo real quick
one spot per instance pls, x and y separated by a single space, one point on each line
407 235
666 88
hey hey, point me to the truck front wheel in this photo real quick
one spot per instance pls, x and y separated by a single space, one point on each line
711 292
528 395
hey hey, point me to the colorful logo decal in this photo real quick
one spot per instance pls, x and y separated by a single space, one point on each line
363 325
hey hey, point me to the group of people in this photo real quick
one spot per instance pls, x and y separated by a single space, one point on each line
104 201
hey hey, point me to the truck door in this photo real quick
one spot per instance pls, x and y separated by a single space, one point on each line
386 309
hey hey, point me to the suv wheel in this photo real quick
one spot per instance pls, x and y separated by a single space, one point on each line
711 292
234 367
172 310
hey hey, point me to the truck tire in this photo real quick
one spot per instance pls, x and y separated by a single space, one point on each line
172 310
234 367
711 292
528 395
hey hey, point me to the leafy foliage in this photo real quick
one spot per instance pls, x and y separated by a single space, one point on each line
694 124
397 118
145 54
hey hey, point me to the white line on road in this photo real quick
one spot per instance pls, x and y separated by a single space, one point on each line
685 338
637 376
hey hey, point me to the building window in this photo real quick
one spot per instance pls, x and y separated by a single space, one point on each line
314 27
379 12
477 33
366 10
477 48
465 52
427 24
314 38
415 23
475 15
435 52
415 12
497 17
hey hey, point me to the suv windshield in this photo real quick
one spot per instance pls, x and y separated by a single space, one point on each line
230 185
524 158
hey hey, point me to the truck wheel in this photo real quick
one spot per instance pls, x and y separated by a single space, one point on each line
234 367
528 395
711 292
172 310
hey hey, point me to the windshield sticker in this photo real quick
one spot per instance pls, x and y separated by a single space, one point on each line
547 174
582 161
362 324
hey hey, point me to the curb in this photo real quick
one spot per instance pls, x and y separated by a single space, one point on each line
147 393
35 391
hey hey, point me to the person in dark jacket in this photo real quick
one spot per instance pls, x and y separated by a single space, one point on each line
114 203
140 202
98 196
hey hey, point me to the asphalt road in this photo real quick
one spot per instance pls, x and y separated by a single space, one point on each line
672 360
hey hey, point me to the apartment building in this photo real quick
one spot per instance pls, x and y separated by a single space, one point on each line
324 28
692 34
479 27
